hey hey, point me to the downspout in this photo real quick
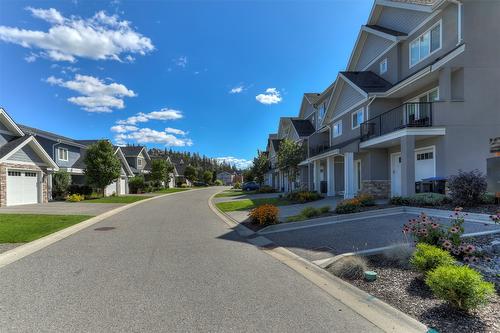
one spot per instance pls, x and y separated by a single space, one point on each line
459 20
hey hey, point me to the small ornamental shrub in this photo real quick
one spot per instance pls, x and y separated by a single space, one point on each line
366 199
266 189
427 199
265 215
218 182
461 286
467 188
349 267
400 201
399 253
184 185
348 206
496 218
325 209
136 184
309 212
488 199
428 257
237 186
303 196
75 198
80 189
60 183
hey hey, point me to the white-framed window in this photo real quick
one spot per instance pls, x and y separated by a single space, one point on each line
62 154
337 129
139 161
30 174
14 173
383 66
425 44
357 118
321 113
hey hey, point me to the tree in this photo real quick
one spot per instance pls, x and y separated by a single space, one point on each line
248 175
260 166
190 173
159 171
290 155
102 166
60 183
207 177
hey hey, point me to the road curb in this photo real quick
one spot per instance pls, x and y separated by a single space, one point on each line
379 313
24 250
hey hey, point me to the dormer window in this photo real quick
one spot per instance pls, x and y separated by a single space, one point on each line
139 162
62 154
383 66
425 44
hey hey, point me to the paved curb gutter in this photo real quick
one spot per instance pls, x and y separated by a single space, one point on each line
379 313
24 250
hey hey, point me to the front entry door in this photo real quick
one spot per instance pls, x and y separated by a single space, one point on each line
396 174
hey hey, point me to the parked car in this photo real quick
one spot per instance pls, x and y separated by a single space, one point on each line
200 184
250 186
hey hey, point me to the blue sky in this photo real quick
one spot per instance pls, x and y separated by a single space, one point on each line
207 76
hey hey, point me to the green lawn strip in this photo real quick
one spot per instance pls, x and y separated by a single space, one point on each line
125 199
233 193
247 204
172 190
23 228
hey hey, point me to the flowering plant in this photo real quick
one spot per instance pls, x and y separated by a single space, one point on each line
496 218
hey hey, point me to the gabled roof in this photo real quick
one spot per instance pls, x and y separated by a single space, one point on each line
16 144
52 136
276 144
120 154
386 30
179 165
367 81
134 151
9 122
303 127
312 97
88 142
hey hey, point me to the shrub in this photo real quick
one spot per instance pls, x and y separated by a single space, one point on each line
80 189
136 184
399 253
428 257
488 199
349 267
461 286
366 199
348 206
309 212
265 215
400 201
266 189
237 186
324 209
467 188
303 196
75 198
60 183
427 199
218 182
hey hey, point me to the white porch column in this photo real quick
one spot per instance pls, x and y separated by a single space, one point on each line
330 176
49 185
348 175
317 181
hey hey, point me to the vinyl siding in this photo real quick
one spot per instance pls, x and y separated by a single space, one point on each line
26 154
347 97
74 153
4 138
372 47
399 19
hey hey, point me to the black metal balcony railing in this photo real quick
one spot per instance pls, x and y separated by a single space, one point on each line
403 116
319 149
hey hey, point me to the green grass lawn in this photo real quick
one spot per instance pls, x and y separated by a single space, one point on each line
246 204
118 199
22 228
233 193
172 190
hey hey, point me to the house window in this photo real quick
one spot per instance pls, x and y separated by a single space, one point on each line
15 173
357 118
321 113
383 66
425 45
30 174
139 162
337 129
425 156
62 154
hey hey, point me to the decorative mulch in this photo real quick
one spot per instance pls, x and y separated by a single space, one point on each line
405 290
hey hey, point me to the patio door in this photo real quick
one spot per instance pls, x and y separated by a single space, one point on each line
396 174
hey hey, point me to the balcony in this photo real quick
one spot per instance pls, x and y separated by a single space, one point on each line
320 149
404 116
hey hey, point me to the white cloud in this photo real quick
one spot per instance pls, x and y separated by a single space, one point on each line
181 61
163 114
148 135
98 37
123 128
272 96
175 131
237 90
97 95
240 163
31 58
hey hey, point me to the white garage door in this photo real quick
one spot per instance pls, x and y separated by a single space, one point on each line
424 164
123 186
110 189
22 187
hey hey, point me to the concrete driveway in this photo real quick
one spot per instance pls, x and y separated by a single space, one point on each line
61 208
170 265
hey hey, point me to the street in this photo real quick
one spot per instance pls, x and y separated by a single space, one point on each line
169 265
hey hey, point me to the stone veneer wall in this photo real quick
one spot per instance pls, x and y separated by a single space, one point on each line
13 165
379 189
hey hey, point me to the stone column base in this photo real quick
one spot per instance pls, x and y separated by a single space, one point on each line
379 189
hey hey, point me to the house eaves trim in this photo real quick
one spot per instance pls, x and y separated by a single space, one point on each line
404 132
37 148
381 34
404 5
10 122
124 160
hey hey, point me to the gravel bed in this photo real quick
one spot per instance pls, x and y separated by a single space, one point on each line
405 290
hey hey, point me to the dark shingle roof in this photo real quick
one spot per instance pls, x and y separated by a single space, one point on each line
276 144
35 131
303 127
386 30
180 165
132 150
11 145
87 142
368 81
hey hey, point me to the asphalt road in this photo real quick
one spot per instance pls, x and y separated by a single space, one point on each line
169 266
